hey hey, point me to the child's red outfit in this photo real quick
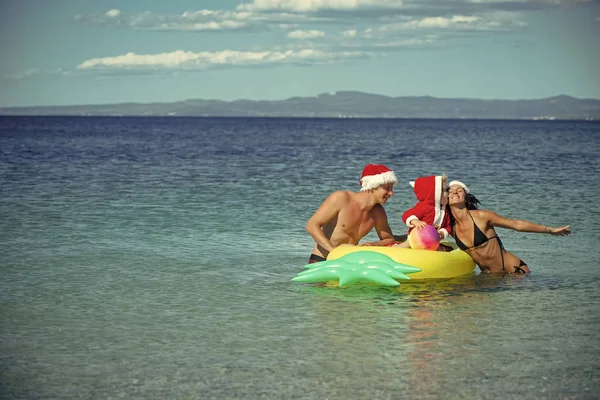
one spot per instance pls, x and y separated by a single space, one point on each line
429 192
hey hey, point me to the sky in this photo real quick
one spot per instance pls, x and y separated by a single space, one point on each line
67 52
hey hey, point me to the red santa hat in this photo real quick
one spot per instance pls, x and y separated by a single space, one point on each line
429 188
375 175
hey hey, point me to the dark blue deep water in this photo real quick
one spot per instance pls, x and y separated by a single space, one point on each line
151 258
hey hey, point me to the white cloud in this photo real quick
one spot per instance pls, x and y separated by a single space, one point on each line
22 75
298 34
358 24
113 13
368 43
203 20
549 2
493 21
441 22
186 60
407 43
260 15
203 26
316 5
496 1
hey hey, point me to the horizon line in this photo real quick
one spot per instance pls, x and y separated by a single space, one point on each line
305 97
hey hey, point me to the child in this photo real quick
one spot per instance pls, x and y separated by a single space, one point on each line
431 208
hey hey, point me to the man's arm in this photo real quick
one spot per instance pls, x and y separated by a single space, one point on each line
328 210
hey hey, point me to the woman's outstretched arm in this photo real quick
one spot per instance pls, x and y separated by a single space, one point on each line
523 225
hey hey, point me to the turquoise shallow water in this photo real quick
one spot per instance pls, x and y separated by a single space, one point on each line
151 258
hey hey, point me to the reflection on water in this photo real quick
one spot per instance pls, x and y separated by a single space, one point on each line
406 336
453 337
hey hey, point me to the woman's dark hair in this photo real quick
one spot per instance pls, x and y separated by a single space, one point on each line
471 202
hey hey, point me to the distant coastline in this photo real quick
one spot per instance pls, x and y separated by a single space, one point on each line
342 104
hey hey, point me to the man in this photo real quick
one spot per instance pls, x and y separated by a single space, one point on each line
346 217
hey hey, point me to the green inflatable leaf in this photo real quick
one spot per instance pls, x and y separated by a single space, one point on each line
360 266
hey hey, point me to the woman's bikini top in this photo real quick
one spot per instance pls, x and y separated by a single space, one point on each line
479 237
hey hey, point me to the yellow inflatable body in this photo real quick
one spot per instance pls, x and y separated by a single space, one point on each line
433 264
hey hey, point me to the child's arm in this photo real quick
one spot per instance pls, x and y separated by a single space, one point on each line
412 217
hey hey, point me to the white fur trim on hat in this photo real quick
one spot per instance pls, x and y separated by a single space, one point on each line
462 185
374 181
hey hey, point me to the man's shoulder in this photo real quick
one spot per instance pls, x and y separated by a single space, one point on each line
339 197
378 208
342 194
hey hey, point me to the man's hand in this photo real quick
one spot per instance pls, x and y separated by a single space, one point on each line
369 244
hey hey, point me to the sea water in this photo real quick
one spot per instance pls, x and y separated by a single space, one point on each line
151 258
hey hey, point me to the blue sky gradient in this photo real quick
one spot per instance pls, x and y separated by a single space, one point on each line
90 52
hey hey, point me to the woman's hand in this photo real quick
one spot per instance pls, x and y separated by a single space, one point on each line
562 231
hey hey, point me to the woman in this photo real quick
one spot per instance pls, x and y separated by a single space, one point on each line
474 232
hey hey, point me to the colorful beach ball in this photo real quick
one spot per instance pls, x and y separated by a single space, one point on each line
424 239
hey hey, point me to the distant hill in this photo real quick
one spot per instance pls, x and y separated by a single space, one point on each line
343 104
